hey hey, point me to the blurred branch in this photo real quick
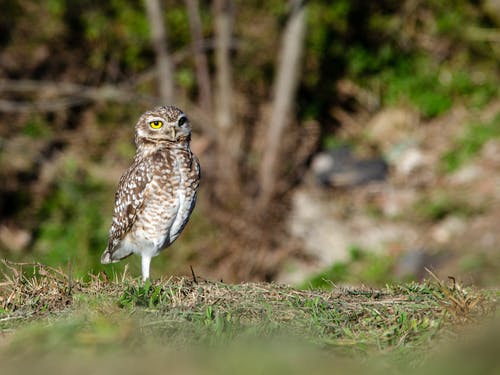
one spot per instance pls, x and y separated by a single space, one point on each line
229 135
482 34
223 30
181 55
284 94
200 57
65 95
39 106
159 39
59 96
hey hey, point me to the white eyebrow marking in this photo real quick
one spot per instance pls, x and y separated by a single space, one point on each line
154 118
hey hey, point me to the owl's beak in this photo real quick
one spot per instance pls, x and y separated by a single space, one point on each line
172 129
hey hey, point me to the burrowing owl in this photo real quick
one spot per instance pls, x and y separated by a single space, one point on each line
157 193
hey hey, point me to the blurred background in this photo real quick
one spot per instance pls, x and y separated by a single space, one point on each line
340 141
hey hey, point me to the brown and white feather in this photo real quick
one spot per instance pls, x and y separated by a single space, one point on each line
157 193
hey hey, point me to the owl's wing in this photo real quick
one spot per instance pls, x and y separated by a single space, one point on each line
129 199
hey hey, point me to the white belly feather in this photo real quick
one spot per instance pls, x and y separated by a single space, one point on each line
164 216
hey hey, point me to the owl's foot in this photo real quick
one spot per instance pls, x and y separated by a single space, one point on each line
106 258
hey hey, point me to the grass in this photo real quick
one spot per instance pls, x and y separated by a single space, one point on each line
44 314
362 266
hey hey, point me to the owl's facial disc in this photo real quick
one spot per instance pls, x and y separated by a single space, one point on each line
158 128
164 123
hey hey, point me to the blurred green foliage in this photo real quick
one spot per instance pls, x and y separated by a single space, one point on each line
36 127
115 30
441 204
72 227
377 44
470 143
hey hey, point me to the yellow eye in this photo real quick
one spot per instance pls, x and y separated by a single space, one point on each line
156 124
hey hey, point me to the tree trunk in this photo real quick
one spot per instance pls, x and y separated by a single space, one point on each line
228 133
164 64
200 58
284 94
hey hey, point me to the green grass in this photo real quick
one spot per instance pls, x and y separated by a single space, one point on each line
272 328
362 266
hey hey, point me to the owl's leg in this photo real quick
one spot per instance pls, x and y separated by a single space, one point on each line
146 260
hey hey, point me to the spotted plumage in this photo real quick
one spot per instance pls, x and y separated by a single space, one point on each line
157 193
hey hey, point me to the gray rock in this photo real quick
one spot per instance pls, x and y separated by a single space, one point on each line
337 167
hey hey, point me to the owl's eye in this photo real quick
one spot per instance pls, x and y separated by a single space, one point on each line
182 121
157 124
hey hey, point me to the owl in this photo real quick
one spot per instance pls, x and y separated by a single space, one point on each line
157 193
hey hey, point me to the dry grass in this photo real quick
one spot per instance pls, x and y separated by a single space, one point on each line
39 304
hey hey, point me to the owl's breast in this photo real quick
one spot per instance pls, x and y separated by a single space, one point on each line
169 200
151 228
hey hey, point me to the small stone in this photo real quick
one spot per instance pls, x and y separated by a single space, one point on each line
14 239
392 127
447 229
410 161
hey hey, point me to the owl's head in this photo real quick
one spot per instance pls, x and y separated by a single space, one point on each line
165 123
